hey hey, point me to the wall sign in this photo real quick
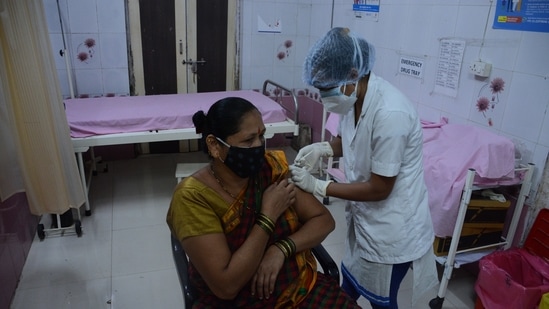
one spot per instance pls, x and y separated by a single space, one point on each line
410 66
527 15
450 57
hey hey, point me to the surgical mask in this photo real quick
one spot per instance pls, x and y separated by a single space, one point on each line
337 102
244 162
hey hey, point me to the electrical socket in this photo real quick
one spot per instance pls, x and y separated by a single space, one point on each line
481 69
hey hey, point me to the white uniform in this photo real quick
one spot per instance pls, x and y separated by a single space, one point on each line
388 141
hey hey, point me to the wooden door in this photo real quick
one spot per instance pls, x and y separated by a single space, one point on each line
212 44
159 53
182 46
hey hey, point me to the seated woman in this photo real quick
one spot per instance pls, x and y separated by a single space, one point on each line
246 230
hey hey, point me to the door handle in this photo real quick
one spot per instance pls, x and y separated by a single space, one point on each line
193 63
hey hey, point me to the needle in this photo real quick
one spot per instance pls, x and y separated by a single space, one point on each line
298 163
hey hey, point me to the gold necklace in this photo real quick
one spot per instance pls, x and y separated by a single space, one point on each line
221 183
229 193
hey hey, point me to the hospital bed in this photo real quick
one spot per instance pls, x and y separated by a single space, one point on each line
458 161
141 119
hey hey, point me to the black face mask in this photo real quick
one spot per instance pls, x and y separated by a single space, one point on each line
244 162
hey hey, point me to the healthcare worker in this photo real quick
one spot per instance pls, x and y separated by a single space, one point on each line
380 140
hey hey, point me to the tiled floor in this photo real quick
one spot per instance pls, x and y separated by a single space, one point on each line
123 259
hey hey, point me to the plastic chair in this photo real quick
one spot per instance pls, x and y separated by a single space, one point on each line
329 267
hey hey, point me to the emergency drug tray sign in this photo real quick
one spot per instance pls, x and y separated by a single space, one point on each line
411 66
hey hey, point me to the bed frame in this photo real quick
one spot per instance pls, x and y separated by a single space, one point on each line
455 257
270 89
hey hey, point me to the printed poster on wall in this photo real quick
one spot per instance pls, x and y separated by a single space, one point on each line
450 57
526 15
366 8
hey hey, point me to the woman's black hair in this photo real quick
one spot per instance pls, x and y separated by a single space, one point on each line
223 119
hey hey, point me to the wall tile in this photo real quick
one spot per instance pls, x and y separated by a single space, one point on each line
428 113
443 22
263 49
247 18
110 16
532 53
390 21
85 51
303 21
113 47
320 20
300 50
116 81
470 21
258 75
544 134
525 107
418 22
83 16
89 82
475 2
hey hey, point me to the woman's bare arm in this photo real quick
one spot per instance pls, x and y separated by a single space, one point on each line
316 219
227 273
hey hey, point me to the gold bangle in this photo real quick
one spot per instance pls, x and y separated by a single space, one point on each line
265 223
282 248
291 243
266 220
287 246
265 227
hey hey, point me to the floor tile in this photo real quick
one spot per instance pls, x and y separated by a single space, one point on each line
67 259
140 250
94 293
157 289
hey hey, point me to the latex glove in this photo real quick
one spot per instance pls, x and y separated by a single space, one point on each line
308 156
303 179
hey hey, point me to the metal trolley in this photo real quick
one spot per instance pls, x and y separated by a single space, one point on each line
57 225
452 261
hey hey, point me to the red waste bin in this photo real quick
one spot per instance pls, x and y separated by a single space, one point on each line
517 278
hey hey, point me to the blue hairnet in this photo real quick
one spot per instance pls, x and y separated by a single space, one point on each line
338 58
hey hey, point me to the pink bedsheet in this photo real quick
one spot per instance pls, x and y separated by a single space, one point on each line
449 150
109 115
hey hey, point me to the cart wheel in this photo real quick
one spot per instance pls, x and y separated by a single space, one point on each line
326 201
436 303
88 213
78 227
40 231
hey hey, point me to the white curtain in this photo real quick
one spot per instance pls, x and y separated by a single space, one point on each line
11 181
35 138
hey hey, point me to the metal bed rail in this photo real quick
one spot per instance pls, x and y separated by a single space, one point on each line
279 95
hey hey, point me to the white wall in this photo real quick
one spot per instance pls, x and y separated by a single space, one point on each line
105 68
414 28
